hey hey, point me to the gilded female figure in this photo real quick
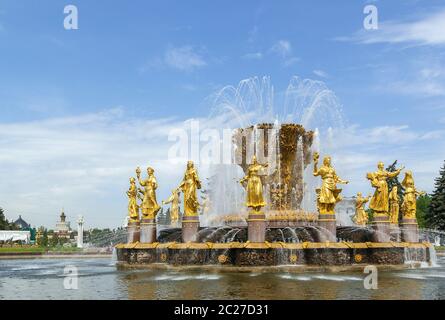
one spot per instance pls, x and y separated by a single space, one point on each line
150 206
361 217
409 206
380 201
189 186
133 208
254 186
328 194
394 206
174 209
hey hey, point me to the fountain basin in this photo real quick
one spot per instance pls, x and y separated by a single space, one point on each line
273 254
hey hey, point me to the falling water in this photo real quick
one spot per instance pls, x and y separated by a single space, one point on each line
252 102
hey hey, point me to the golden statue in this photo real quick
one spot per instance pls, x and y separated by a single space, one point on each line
133 208
174 209
254 186
150 206
380 200
409 206
361 217
328 195
189 186
394 206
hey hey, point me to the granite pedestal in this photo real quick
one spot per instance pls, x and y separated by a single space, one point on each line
190 228
148 231
381 226
329 223
133 234
256 227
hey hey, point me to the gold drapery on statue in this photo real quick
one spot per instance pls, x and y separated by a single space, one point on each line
361 217
175 202
189 186
328 195
379 180
394 206
150 205
133 208
409 206
254 186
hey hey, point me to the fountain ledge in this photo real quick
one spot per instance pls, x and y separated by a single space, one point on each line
272 254
273 245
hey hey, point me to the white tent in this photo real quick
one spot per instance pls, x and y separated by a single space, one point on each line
13 236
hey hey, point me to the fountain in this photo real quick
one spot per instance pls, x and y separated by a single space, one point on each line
275 214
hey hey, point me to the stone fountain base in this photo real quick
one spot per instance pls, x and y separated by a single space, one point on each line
272 254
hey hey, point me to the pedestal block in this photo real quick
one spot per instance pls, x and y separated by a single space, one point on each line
133 234
256 227
148 231
190 228
394 232
410 230
381 226
328 222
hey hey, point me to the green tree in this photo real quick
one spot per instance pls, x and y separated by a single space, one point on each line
54 241
45 238
423 203
395 182
436 215
3 222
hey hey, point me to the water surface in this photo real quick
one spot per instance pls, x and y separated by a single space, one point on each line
100 279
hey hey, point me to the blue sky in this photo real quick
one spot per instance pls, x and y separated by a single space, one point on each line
80 109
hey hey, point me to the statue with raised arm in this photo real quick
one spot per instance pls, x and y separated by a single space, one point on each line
189 186
409 206
254 186
133 208
379 180
175 202
394 206
361 217
328 195
150 206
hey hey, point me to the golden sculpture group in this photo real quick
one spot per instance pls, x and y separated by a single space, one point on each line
147 195
384 203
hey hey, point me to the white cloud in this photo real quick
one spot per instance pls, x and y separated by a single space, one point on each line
184 58
321 73
81 163
253 56
291 61
425 78
428 30
282 47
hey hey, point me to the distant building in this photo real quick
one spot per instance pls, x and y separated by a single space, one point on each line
22 224
63 229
